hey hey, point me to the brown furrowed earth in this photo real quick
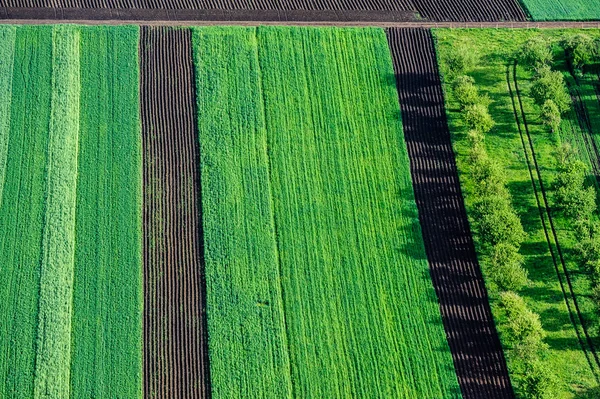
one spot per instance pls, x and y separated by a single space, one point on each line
175 342
474 343
267 10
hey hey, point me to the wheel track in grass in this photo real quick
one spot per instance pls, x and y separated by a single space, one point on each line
175 352
478 357
549 227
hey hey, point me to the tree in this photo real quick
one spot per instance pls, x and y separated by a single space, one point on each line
580 49
520 327
551 115
477 117
496 222
506 267
535 53
571 196
550 85
465 91
537 381
461 60
487 175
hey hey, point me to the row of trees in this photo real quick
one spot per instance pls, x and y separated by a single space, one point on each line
499 232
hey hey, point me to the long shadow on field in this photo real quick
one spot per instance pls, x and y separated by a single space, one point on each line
478 357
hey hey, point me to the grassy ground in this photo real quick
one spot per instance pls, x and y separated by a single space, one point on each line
543 294
349 270
70 236
549 10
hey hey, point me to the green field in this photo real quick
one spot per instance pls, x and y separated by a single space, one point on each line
552 10
543 294
317 279
70 257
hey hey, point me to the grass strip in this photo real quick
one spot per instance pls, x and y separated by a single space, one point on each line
53 358
7 53
106 359
22 209
247 341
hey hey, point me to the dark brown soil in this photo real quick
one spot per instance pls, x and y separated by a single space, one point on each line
472 337
175 343
470 10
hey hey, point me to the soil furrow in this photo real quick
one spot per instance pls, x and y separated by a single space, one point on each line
474 343
175 358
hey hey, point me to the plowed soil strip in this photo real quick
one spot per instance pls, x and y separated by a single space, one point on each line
175 354
473 340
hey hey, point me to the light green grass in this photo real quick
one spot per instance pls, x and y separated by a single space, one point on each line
361 315
7 54
108 292
22 209
247 343
543 294
552 10
53 359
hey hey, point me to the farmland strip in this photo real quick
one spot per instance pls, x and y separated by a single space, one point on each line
22 209
457 278
7 53
351 251
175 343
247 336
108 285
470 10
53 359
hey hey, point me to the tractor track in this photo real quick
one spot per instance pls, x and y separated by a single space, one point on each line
549 227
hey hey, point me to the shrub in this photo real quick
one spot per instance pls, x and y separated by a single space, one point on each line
465 91
506 267
488 176
550 85
496 222
551 115
477 117
535 53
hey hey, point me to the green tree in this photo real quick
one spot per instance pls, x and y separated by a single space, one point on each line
477 117
496 222
550 85
506 267
520 327
461 60
465 91
537 381
551 115
535 53
571 195
580 48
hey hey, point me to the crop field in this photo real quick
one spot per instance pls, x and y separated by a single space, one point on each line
559 288
75 235
292 180
551 10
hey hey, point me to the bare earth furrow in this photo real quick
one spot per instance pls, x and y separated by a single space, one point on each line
175 352
474 343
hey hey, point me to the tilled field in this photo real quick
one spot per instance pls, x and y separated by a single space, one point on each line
175 355
266 10
476 349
